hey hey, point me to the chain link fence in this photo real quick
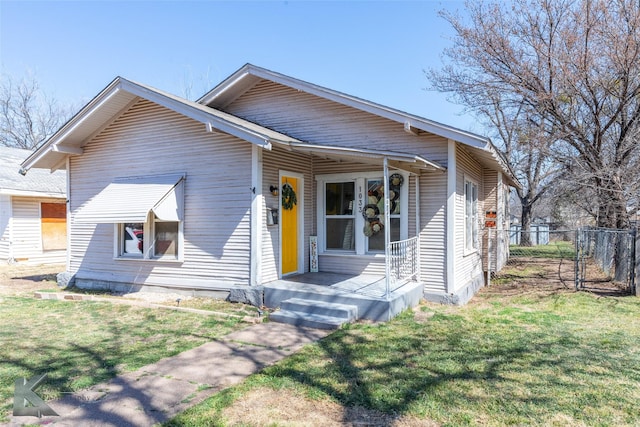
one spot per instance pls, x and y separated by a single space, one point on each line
605 259
541 258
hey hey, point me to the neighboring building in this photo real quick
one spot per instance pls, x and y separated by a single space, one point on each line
33 219
170 193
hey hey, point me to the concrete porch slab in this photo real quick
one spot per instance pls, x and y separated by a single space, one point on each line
367 292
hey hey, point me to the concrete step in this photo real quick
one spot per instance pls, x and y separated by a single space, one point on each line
298 318
322 308
314 313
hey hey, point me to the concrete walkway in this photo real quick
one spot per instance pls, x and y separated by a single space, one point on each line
157 392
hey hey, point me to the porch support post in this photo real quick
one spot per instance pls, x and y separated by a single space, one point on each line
255 272
451 216
387 229
68 207
418 224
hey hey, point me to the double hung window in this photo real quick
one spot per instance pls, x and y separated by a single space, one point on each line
471 215
339 215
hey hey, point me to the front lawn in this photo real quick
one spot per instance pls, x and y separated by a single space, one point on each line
533 357
79 344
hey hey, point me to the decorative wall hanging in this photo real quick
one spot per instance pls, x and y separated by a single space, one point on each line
396 180
370 211
289 198
376 226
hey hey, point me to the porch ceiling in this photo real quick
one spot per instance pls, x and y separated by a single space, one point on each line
409 162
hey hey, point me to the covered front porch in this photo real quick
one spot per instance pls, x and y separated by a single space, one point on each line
365 232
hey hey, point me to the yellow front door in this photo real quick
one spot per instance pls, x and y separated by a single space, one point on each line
289 226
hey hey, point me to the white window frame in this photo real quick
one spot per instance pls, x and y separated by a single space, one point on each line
351 216
471 224
148 242
359 203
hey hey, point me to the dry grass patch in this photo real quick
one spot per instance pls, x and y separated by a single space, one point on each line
265 406
24 279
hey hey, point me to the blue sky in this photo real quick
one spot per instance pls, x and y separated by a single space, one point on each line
374 50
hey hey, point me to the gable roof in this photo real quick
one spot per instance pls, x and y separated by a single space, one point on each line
118 97
249 75
39 183
121 94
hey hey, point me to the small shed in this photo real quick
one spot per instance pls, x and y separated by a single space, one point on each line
539 234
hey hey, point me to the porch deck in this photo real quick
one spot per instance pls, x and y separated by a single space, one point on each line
367 292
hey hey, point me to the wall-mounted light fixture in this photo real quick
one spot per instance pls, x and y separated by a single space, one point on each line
274 190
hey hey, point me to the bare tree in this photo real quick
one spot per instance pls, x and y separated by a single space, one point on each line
574 67
27 116
526 147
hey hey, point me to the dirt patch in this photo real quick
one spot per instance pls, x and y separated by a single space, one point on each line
284 408
547 276
24 279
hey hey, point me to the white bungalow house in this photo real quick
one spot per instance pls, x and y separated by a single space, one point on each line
271 183
33 216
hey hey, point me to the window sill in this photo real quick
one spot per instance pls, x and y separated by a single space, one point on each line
352 255
140 259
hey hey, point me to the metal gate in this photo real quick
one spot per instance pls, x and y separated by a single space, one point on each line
605 260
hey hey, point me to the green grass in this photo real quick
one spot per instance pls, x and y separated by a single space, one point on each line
557 249
555 358
511 272
78 344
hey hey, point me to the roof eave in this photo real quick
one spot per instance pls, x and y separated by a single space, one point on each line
359 152
71 124
54 146
421 123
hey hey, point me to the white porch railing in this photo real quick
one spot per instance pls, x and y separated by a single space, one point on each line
403 261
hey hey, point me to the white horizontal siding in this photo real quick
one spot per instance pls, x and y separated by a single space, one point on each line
26 230
351 264
433 254
468 265
317 120
147 140
5 227
490 198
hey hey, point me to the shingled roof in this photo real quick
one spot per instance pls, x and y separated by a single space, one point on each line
39 182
